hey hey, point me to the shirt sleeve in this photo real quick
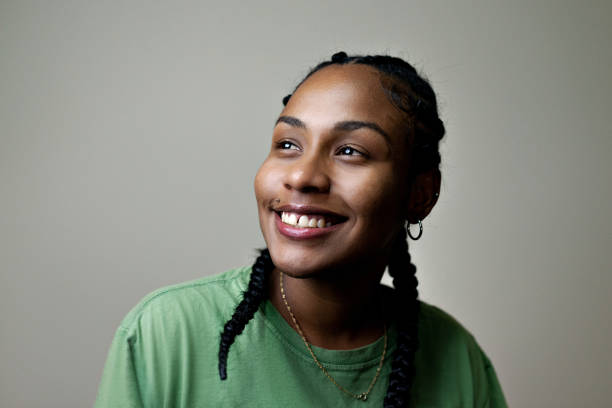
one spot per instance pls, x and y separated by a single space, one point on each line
495 394
119 384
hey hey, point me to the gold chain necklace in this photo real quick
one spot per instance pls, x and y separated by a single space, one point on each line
364 395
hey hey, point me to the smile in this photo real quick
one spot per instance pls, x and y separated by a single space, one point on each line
305 221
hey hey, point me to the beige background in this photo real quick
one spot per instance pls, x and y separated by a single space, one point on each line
130 134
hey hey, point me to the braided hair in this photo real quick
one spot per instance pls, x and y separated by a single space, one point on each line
252 298
413 95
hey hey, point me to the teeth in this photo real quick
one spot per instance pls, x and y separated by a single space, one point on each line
291 219
303 221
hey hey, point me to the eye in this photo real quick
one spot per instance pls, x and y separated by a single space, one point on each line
286 145
349 151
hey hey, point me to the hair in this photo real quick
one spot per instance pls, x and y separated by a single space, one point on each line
413 95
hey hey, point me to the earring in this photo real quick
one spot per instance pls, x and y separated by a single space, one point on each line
420 230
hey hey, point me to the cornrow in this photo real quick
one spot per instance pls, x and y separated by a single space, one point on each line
413 95
252 298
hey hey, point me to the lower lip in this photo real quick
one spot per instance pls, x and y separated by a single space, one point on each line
302 233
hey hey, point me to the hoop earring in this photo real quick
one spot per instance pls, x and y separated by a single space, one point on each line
420 230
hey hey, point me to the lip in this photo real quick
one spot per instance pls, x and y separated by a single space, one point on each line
302 233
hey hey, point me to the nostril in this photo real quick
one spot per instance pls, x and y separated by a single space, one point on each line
311 189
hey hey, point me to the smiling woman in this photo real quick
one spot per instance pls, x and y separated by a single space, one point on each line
353 162
340 109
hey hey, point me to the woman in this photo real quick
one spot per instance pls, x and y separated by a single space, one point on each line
354 161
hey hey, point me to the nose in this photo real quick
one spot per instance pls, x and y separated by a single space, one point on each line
308 174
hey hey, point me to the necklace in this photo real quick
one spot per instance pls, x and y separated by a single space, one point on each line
364 395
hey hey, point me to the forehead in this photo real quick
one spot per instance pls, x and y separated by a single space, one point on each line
344 92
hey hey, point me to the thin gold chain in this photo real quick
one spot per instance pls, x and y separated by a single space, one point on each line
364 395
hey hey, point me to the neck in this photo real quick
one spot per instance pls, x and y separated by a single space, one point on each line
336 310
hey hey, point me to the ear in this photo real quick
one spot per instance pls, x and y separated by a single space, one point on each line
424 193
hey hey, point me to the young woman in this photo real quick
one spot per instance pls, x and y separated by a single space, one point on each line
354 161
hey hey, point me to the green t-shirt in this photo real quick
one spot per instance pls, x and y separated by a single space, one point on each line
164 354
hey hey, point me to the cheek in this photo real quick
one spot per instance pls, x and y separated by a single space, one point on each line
258 183
266 182
375 197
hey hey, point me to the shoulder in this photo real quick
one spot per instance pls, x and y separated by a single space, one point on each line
440 330
433 318
450 358
170 332
208 296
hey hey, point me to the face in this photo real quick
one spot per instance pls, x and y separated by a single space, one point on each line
332 193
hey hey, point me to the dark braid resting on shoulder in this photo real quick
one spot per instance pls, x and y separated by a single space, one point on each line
415 97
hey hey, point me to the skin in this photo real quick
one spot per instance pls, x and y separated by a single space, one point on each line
355 171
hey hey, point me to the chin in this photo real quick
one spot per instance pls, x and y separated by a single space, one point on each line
294 266
304 263
298 263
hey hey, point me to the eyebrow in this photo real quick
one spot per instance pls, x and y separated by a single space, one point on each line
346 125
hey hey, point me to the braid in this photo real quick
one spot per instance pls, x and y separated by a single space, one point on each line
402 369
244 312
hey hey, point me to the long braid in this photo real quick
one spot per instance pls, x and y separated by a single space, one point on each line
252 297
403 272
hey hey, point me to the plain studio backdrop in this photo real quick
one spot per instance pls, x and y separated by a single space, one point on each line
130 134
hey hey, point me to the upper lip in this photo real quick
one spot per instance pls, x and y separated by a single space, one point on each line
307 209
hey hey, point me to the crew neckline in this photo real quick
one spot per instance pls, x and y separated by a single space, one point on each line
353 359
